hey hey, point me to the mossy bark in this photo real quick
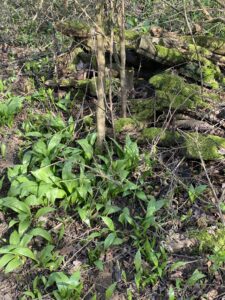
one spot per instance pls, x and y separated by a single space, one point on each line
194 145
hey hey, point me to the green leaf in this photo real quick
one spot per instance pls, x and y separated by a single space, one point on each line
33 134
41 232
54 194
109 240
24 225
137 261
110 291
14 238
87 148
84 215
24 251
43 211
44 174
5 259
196 276
108 223
41 148
141 195
99 265
3 150
16 205
32 200
177 265
13 264
1 181
55 140
171 293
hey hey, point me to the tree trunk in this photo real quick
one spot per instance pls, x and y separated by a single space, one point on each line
100 110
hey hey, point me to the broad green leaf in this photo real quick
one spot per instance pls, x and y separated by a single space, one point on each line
118 241
44 188
108 223
138 261
25 240
84 215
5 259
3 150
54 194
177 265
171 293
24 251
13 264
33 134
93 235
32 200
7 249
87 148
74 279
56 277
28 187
109 240
41 232
12 223
41 148
111 209
99 265
14 238
44 174
67 170
43 211
195 277
55 140
1 181
82 190
110 291
141 195
30 294
24 225
154 206
16 205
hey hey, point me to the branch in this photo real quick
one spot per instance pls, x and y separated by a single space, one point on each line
210 19
220 2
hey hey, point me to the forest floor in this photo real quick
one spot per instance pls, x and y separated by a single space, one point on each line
137 224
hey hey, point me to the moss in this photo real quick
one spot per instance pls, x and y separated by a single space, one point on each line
166 137
213 44
208 71
169 55
173 83
74 28
67 82
125 124
199 50
194 145
132 35
212 239
143 109
208 147
172 91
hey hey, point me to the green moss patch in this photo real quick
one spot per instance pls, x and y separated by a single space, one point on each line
195 145
125 124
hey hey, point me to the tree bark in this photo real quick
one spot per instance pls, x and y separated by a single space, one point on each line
123 62
100 110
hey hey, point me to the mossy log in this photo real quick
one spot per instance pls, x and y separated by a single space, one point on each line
173 93
192 89
190 60
193 145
